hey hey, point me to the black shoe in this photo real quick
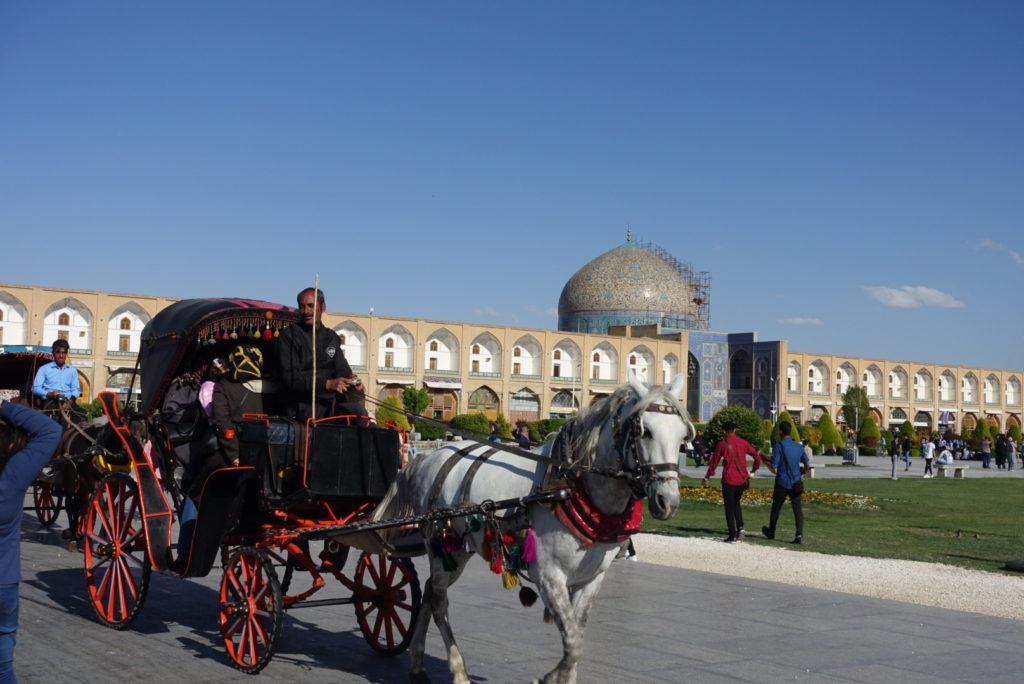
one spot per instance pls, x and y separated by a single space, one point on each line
730 540
768 534
799 539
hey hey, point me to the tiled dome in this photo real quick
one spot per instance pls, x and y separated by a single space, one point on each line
628 285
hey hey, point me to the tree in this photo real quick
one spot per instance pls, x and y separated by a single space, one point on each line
1014 432
856 407
981 431
748 426
784 417
540 429
415 400
869 435
766 430
831 440
429 430
390 412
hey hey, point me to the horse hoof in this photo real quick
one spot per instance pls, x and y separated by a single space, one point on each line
419 678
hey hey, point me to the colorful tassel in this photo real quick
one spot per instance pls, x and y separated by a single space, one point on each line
527 596
450 541
529 547
509 579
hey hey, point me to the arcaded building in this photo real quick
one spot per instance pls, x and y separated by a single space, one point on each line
633 309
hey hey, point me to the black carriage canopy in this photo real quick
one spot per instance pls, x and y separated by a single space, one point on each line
18 368
177 336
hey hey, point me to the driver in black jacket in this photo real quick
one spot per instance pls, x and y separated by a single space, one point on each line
338 390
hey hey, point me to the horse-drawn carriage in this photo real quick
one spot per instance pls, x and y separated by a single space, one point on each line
65 483
295 483
556 517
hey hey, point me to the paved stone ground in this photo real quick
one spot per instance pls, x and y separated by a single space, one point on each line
651 624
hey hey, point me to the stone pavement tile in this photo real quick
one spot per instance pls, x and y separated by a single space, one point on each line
880 673
767 672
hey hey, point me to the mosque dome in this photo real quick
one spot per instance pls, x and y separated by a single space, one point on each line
631 285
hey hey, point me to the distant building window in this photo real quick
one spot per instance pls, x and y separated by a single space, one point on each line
124 343
556 372
126 323
389 343
433 345
476 366
517 352
558 354
433 363
515 368
476 348
62 335
597 357
341 337
389 359
63 319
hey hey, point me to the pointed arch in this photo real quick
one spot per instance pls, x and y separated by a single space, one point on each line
793 374
526 356
604 361
922 385
898 383
991 389
484 400
846 375
13 320
525 405
669 368
77 329
817 377
969 388
872 380
485 355
565 360
394 351
741 370
639 361
124 328
353 343
693 406
1012 391
441 351
947 386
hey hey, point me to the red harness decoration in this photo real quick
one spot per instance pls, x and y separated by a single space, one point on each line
579 514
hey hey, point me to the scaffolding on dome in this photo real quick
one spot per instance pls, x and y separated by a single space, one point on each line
699 282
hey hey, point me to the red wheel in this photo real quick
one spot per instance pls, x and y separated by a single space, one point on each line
47 503
250 610
116 562
387 602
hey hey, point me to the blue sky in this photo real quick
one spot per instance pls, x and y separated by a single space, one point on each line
851 173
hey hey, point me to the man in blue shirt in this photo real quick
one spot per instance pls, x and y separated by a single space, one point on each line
27 441
788 463
58 379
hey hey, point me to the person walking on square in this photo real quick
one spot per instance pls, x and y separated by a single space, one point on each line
905 447
928 454
732 453
986 452
788 463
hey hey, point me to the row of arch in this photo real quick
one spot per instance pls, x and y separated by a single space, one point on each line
442 353
71 320
922 386
964 422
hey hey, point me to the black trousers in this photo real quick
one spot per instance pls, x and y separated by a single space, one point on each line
732 494
779 495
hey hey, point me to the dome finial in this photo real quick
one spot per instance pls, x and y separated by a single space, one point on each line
629 234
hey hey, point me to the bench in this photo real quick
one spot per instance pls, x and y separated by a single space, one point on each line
956 468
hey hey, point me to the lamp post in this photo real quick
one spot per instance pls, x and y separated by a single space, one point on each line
775 400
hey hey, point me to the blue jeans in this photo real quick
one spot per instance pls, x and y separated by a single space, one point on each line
906 457
8 631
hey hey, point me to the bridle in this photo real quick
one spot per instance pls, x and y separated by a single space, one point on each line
631 464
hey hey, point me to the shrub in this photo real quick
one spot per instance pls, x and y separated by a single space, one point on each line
748 426
1014 432
429 430
784 417
540 429
869 436
504 427
475 423
981 431
831 439
389 414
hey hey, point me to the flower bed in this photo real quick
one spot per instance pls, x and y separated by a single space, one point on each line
756 496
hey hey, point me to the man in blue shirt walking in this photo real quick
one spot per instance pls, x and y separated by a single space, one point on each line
789 461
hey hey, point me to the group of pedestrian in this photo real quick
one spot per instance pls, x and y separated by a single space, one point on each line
1006 452
789 462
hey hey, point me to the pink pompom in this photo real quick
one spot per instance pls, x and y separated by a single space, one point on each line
530 547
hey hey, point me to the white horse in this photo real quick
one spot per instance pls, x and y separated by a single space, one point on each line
614 453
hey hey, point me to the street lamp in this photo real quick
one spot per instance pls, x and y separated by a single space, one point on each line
775 399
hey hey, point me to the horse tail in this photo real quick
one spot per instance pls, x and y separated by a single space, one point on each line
397 503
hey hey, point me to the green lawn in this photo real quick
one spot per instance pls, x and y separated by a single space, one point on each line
911 519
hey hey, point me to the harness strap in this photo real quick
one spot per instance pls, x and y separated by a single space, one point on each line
467 481
442 475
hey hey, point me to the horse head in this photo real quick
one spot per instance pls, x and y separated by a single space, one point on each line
651 430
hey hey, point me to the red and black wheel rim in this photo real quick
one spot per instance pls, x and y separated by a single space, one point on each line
117 566
250 609
46 502
387 601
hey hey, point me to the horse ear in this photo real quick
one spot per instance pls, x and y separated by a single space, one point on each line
637 384
675 388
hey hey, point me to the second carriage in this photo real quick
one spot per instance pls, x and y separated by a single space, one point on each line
295 485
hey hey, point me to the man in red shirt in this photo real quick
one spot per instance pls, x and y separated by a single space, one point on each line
732 452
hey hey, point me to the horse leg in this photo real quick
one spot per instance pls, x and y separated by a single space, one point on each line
555 593
435 597
582 602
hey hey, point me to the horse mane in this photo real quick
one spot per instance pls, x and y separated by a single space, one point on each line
585 428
